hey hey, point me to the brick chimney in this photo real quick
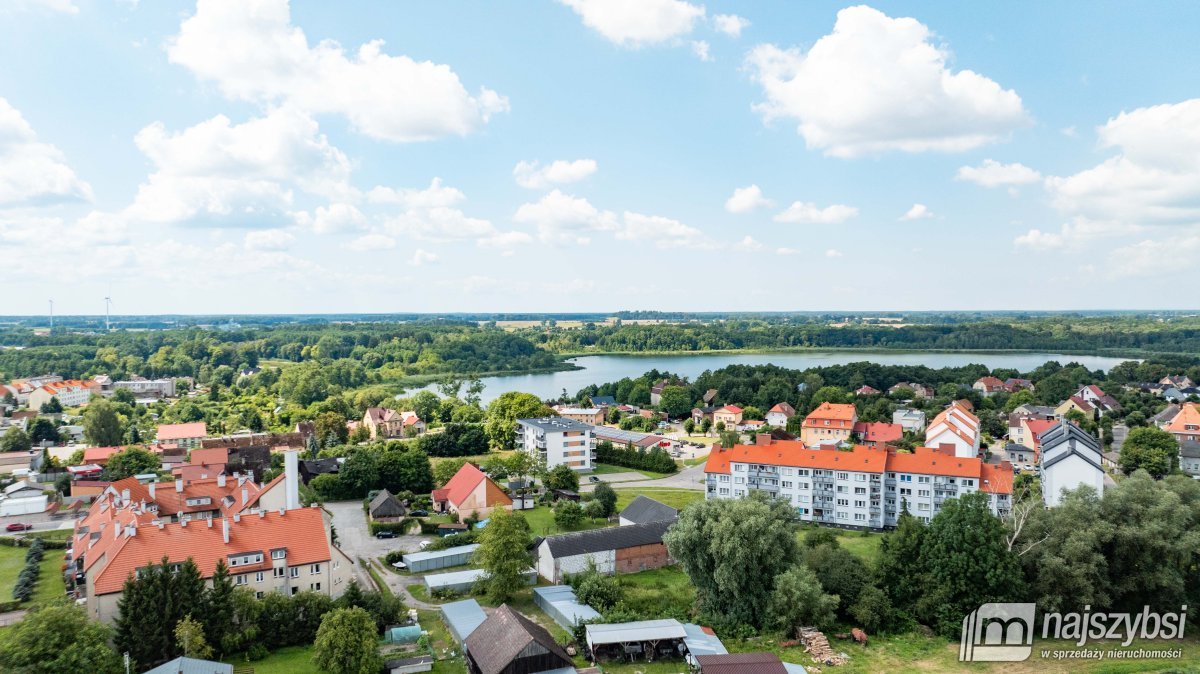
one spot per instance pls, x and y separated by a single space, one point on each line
761 439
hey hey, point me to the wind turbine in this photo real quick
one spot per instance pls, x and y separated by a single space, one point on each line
107 306
52 316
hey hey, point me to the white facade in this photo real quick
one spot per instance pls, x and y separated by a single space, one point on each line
160 388
912 421
1070 458
558 441
777 419
553 569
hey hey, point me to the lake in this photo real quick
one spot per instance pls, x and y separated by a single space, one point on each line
601 369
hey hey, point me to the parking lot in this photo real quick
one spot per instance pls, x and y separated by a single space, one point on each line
354 535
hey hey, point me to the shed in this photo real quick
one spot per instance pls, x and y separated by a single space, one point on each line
421 663
643 510
385 507
462 617
463 581
701 641
191 666
509 643
741 663
402 634
559 602
633 640
418 562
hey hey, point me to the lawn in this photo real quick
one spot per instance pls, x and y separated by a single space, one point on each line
50 582
541 522
609 469
863 544
664 592
289 660
676 498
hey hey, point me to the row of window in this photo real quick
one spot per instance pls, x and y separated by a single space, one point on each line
858 477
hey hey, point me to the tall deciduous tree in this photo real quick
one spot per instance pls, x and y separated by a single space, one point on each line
58 638
732 551
502 553
130 462
102 425
15 440
347 643
503 412
604 494
676 401
798 599
1150 449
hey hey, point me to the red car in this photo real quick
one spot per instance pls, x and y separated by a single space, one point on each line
17 526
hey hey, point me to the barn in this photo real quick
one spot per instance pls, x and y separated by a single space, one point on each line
627 549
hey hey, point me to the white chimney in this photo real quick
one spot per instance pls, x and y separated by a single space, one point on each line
225 530
179 485
245 495
221 480
183 522
291 479
237 517
209 522
125 495
131 530
151 491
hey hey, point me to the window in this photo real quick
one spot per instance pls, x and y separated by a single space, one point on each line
924 479
841 489
278 554
279 572
859 516
860 504
788 484
295 572
843 476
258 577
922 506
906 478
922 492
802 471
968 483
860 477
860 490
788 471
724 478
316 587
295 590
258 595
739 480
316 568
239 579
843 502
740 467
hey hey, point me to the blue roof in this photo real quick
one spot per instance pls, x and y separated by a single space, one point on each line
463 617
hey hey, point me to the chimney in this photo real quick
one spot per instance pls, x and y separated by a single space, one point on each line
291 479
179 485
183 522
245 495
151 491
221 480
125 495
131 530
209 522
762 439
261 513
225 530
240 478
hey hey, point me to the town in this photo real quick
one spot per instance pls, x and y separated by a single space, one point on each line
439 528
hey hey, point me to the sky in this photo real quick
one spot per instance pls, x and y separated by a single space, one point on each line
261 156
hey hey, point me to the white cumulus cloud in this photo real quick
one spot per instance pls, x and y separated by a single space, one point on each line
700 48
268 239
730 24
636 23
370 242
423 257
33 172
917 212
250 49
833 253
878 84
810 213
746 199
530 174
565 219
992 173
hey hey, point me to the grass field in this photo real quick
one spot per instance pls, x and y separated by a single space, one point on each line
863 544
607 469
289 660
676 498
541 522
50 582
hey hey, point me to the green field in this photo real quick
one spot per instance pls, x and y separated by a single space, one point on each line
289 660
676 498
608 469
541 522
50 581
863 544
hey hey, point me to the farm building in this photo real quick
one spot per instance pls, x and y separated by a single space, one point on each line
419 562
627 549
462 581
386 508
643 510
462 617
559 602
637 640
509 643
701 641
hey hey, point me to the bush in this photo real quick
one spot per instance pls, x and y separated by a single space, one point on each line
394 527
655 460
453 540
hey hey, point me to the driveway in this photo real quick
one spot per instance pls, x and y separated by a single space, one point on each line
355 539
1119 433
688 478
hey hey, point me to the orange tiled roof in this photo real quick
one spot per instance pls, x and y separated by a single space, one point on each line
99 454
182 431
996 478
300 531
928 461
879 431
843 413
466 480
793 453
1189 415
218 455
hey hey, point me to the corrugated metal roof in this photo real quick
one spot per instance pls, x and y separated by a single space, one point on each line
700 642
463 617
642 630
412 557
191 666
437 580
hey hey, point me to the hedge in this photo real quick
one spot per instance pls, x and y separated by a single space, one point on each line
656 459
394 527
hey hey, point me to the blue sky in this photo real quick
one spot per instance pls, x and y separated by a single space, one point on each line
584 155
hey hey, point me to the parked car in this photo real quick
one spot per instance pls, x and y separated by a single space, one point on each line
19 526
593 478
385 534
425 544
419 513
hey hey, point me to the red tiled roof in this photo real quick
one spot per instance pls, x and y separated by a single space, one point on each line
99 454
301 532
182 431
219 455
1189 415
840 412
466 480
878 431
929 461
733 409
996 478
794 453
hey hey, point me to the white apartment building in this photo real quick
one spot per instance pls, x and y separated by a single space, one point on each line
70 393
558 440
957 427
866 487
1070 457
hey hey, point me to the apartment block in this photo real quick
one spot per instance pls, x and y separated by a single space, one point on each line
558 440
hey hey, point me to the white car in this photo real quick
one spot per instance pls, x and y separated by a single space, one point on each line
425 544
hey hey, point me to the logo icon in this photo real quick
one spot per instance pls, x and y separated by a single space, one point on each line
997 632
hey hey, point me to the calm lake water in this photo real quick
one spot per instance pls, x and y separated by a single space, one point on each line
601 369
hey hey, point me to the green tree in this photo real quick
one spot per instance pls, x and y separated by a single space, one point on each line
595 589
58 638
43 430
567 514
732 551
219 618
604 494
873 610
102 425
360 472
189 638
131 461
405 471
445 469
331 426
425 404
899 561
502 554
51 406
676 401
798 599
1151 449
503 412
347 643
562 477
15 440
841 573
689 426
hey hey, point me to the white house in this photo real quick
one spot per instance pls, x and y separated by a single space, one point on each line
1070 457
779 414
912 421
557 440
957 427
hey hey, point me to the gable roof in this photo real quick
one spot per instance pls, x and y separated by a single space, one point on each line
504 636
879 431
783 408
611 538
466 480
603 401
182 665
1189 415
844 412
182 431
1074 440
644 509
795 454
386 505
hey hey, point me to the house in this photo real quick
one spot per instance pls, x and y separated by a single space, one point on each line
558 440
988 386
70 393
629 439
699 414
657 389
470 492
1014 384
1031 432
910 420
386 508
186 436
740 663
709 397
729 415
183 665
388 423
587 415
1164 417
778 415
865 487
956 427
876 433
1186 425
314 467
1019 455
509 643
627 549
1178 381
1189 458
1018 428
865 390
830 422
1077 404
268 542
1070 457
643 510
750 426
276 442
602 401
918 390
1101 401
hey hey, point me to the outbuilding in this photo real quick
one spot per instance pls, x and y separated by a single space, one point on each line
627 549
641 640
560 603
420 562
462 617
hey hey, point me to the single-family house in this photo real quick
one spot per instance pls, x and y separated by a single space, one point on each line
910 420
988 386
729 415
470 492
699 414
1070 457
1014 384
602 401
1101 401
1178 381
778 415
709 397
877 433
865 390
1186 425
